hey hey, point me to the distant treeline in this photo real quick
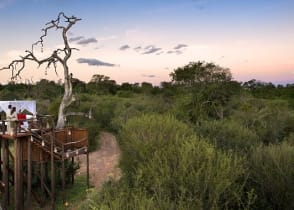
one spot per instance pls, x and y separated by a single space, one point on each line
100 84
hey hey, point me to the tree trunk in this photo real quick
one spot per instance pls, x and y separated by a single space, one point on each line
67 98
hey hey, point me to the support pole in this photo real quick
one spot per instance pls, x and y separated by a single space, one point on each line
29 187
5 201
72 172
52 172
18 177
63 174
88 174
42 171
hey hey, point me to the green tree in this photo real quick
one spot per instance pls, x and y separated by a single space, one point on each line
101 84
200 72
209 88
146 87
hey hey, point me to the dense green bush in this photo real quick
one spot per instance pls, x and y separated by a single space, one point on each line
136 106
228 135
118 196
165 166
290 139
271 120
272 175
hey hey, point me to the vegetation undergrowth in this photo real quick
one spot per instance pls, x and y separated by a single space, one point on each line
201 141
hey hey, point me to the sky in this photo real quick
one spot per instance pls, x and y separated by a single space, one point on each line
145 40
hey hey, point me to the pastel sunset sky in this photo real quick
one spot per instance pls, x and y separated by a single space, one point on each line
144 40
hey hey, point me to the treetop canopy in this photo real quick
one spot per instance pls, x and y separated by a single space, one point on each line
200 72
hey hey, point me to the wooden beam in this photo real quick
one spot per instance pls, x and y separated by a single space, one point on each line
5 201
18 176
52 172
29 184
88 173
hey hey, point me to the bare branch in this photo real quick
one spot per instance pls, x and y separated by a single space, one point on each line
62 23
56 24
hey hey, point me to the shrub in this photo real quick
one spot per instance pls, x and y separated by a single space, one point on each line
124 94
162 157
270 119
118 196
272 174
228 135
132 107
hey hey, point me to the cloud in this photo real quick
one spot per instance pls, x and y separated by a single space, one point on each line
159 53
151 49
178 52
124 47
87 41
77 38
99 47
179 46
150 75
94 62
178 49
139 48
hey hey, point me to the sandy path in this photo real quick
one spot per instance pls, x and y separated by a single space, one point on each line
103 162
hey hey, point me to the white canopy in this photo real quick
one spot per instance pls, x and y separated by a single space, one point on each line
20 106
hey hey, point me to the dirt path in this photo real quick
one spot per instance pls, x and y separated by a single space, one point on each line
103 162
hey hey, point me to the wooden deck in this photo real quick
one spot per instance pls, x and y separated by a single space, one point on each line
42 146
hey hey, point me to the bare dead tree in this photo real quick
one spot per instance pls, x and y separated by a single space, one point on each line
62 23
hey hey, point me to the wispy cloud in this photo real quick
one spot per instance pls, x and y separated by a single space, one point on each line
99 47
151 49
87 41
178 49
94 62
81 40
138 48
159 53
150 75
124 47
178 52
77 38
179 46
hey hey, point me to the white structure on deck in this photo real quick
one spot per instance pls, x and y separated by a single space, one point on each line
20 106
29 106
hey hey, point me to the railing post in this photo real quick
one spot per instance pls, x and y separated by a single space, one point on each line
29 187
5 165
52 137
63 174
